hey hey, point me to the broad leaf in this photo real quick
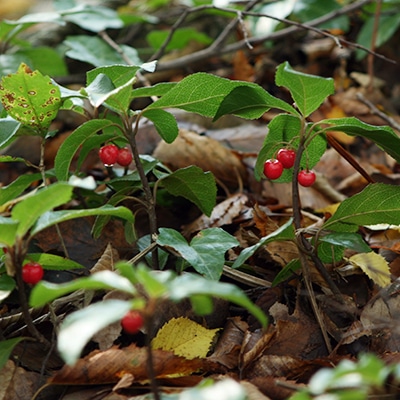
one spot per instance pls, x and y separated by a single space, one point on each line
45 292
377 203
55 217
30 98
164 122
200 93
206 252
8 130
160 89
284 232
193 184
78 327
93 50
308 91
348 240
53 262
17 187
7 285
189 285
71 145
8 231
6 348
383 136
28 211
250 102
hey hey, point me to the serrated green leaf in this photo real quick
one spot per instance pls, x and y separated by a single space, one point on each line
250 102
377 203
78 327
187 285
308 91
206 252
44 292
30 98
200 93
348 240
164 122
55 217
193 184
160 89
284 232
383 136
71 145
28 211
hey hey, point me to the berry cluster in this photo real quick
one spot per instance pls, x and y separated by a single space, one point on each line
273 168
132 322
111 154
32 273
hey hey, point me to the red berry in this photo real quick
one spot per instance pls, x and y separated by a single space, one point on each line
286 157
124 157
306 178
273 169
32 272
132 322
108 154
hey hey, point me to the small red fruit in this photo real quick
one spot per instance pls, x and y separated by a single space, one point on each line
108 154
124 157
273 168
32 273
132 322
306 178
286 157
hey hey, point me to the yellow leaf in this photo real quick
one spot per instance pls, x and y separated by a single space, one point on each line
374 265
184 338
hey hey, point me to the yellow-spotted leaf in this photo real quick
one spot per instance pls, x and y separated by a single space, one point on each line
374 265
184 338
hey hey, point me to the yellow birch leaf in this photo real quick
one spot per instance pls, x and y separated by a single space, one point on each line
184 338
374 265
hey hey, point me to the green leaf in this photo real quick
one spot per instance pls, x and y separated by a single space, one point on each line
164 122
193 184
8 130
160 89
78 327
17 187
383 136
44 292
200 93
28 211
284 232
93 18
286 272
348 240
53 262
95 51
8 231
55 217
30 98
308 91
71 145
187 285
7 285
250 102
119 74
181 38
6 348
377 203
282 130
206 252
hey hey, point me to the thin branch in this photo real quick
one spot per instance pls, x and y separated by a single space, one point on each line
295 27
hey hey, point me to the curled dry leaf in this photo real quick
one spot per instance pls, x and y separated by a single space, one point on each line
190 148
107 260
109 366
222 214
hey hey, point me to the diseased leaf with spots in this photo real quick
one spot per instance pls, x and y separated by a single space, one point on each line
30 98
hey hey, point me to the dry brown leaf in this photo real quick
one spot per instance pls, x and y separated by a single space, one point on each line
222 214
229 344
242 69
107 260
189 148
109 366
